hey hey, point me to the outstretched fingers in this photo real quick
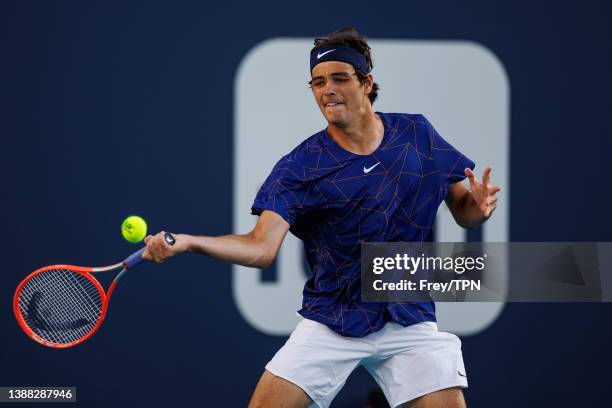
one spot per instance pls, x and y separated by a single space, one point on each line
471 177
494 190
486 176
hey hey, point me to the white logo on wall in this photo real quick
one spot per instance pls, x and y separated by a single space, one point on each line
468 104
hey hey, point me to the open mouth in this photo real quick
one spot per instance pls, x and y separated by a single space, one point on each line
333 104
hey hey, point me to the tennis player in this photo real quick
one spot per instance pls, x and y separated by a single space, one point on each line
368 176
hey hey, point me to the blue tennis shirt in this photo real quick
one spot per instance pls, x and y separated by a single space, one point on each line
334 200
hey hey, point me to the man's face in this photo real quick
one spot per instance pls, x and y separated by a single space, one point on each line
338 92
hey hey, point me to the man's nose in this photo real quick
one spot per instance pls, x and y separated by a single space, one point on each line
330 88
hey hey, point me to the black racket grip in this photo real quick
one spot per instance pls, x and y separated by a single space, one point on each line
169 238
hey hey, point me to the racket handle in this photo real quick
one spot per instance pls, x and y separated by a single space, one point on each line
134 259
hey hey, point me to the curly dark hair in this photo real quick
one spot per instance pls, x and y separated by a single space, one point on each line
349 37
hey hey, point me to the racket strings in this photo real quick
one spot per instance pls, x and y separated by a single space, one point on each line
60 305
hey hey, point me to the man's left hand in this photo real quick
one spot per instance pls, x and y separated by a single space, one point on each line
483 193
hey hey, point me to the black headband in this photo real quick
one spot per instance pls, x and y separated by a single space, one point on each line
339 53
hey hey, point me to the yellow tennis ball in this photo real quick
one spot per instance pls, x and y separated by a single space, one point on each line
134 229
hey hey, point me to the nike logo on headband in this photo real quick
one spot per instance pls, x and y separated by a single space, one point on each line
319 55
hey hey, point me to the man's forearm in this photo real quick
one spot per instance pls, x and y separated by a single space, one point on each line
257 249
244 249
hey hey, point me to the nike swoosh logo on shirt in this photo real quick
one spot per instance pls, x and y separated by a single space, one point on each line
460 373
319 55
366 171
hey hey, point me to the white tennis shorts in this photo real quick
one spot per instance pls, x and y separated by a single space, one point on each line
406 362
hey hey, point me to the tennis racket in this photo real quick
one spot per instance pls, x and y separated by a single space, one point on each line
61 306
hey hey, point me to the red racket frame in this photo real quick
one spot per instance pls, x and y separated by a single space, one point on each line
87 273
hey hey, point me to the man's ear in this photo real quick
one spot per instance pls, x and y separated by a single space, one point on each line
369 83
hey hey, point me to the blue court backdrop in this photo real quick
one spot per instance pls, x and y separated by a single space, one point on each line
114 108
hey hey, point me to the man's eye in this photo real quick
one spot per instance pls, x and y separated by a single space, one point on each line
317 84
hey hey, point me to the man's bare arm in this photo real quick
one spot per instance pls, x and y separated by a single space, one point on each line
257 248
472 208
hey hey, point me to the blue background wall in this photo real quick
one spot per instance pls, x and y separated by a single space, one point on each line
112 108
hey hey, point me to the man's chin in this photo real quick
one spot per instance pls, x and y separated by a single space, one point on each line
336 120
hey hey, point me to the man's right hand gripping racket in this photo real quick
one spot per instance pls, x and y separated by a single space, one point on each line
63 305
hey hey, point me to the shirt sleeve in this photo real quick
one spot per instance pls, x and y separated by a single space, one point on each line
283 192
450 161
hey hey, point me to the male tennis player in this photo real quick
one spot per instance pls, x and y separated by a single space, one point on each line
369 176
